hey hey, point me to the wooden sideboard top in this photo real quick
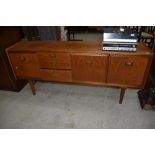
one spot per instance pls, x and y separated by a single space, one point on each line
70 46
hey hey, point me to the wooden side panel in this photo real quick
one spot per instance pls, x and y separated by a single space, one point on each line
127 70
89 68
25 65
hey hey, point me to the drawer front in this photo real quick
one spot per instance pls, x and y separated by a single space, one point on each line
51 60
56 75
89 68
127 70
25 65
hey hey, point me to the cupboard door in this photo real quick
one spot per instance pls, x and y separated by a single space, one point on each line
127 70
89 68
25 65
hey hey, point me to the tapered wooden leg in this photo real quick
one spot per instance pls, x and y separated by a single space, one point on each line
31 83
121 95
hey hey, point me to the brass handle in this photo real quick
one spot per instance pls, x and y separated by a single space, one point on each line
88 62
16 67
129 63
53 55
23 59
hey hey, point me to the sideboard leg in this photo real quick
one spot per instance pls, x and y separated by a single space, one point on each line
121 95
31 83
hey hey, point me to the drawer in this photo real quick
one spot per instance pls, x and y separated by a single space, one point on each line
51 60
127 70
56 75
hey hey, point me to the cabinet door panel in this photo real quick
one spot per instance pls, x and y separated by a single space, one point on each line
127 70
89 68
25 64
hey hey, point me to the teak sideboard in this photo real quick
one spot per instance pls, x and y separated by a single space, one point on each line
79 62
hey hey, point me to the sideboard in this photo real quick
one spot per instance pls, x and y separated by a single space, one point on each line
79 62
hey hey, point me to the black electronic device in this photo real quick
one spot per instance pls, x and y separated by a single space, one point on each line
119 39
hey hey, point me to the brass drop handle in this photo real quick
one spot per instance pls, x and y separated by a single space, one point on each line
128 63
23 59
88 62
53 55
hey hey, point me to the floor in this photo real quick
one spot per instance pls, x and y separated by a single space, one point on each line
72 106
